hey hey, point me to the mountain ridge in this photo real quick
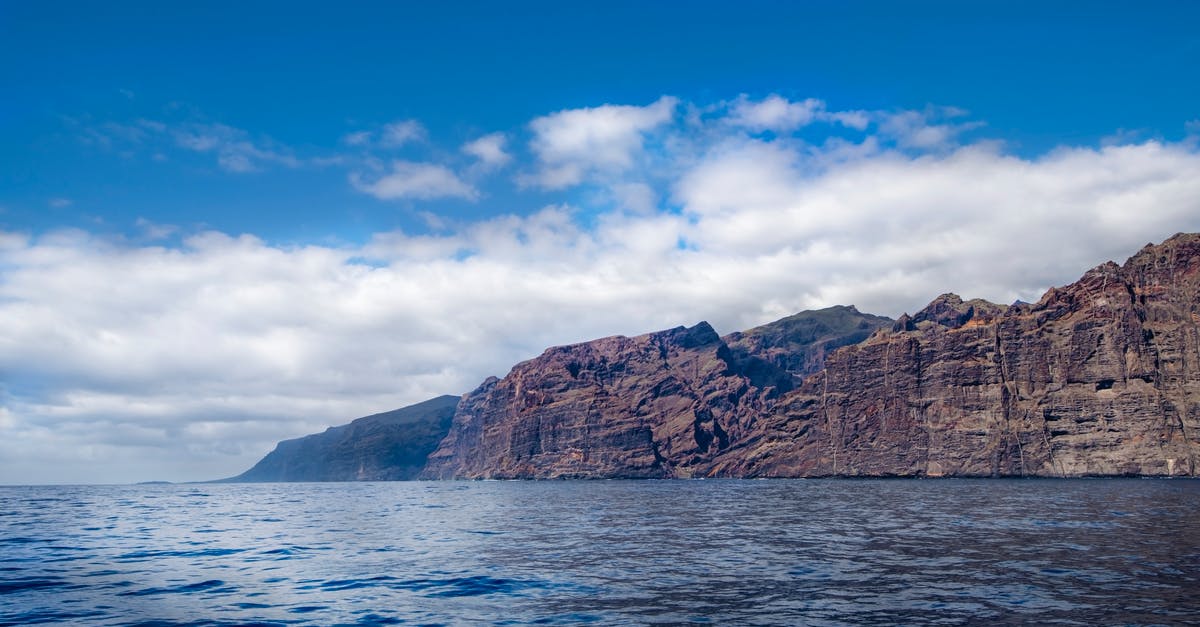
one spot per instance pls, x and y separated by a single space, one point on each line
1099 377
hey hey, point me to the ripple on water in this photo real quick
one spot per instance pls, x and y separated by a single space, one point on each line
12 586
210 585
725 552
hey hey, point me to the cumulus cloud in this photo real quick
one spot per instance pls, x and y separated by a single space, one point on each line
780 115
409 179
489 150
774 113
192 360
573 144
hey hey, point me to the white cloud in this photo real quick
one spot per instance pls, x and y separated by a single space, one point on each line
576 143
489 149
780 115
858 120
401 132
922 130
774 113
192 360
409 179
59 203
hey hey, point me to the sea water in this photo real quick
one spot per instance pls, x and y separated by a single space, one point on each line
815 552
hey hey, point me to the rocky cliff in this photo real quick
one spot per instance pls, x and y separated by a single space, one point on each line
667 404
1101 377
388 446
658 405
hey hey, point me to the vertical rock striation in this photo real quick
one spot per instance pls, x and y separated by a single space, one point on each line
658 405
1101 377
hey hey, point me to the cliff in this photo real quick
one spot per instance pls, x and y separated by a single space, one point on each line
657 405
1100 377
667 404
388 446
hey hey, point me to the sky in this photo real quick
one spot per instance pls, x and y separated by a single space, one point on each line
226 224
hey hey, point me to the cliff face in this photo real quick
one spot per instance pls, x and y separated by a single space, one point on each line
1101 377
658 405
388 446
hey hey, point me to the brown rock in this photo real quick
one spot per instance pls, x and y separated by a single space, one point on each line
1101 377
658 405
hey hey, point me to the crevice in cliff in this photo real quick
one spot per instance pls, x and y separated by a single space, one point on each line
828 422
919 394
1008 390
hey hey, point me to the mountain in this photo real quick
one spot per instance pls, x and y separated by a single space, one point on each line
661 404
1100 377
666 404
388 446
798 344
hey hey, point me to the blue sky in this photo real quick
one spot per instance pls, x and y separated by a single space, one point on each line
303 76
224 224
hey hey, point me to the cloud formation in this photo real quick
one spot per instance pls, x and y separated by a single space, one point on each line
409 179
489 150
607 140
401 132
189 362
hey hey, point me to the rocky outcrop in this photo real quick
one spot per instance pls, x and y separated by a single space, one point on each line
659 405
388 446
1101 377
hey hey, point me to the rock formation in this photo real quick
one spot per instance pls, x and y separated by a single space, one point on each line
667 404
1101 377
659 405
388 446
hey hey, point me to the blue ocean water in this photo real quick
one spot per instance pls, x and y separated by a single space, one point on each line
816 552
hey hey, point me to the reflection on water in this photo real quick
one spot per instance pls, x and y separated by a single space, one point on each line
820 552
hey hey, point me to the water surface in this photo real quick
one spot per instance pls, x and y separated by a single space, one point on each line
817 552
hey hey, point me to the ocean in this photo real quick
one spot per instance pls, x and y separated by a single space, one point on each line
775 552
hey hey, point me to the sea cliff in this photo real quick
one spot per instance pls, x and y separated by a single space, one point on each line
1099 377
